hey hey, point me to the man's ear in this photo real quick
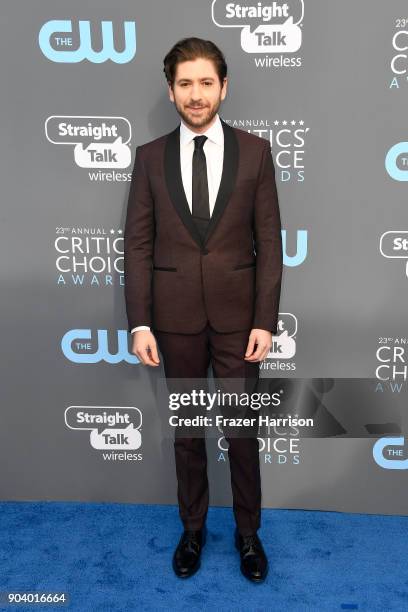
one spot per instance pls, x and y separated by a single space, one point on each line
171 95
224 88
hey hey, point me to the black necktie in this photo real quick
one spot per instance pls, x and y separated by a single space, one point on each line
200 203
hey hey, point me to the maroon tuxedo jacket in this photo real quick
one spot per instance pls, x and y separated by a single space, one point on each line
174 281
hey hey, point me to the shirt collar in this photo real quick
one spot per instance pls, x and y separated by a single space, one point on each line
214 133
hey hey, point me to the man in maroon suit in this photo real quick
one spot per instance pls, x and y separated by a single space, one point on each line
203 268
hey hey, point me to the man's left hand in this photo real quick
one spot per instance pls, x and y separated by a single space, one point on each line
263 341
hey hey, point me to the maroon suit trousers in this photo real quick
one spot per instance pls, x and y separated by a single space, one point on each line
189 356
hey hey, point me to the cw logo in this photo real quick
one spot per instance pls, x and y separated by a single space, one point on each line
301 249
77 347
56 28
390 464
391 166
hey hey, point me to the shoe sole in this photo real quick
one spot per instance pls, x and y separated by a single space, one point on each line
256 580
187 575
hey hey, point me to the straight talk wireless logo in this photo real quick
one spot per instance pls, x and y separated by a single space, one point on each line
110 428
281 357
98 143
266 28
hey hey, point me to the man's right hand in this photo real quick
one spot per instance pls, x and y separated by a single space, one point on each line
145 348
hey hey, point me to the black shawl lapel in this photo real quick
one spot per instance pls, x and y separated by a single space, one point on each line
174 182
172 172
228 178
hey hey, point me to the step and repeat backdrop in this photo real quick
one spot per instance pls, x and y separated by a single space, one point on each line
326 83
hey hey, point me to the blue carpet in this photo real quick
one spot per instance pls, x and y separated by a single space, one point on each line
117 558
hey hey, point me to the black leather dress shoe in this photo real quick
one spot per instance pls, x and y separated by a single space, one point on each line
254 564
186 558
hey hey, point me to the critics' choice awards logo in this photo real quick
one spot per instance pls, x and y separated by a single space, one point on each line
399 59
392 360
111 428
288 142
266 27
82 346
396 161
389 453
92 257
97 142
283 345
394 245
277 444
68 42
284 450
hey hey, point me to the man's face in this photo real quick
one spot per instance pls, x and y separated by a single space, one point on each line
197 92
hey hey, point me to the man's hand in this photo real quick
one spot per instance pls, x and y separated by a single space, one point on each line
263 339
145 348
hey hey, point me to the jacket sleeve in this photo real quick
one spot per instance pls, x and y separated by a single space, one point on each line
268 247
138 247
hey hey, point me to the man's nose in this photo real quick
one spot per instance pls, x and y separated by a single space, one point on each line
196 93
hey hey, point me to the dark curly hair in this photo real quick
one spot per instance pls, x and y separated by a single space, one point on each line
188 49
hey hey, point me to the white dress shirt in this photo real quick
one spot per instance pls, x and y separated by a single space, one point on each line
214 154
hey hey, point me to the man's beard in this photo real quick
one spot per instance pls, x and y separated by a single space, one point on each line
201 120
